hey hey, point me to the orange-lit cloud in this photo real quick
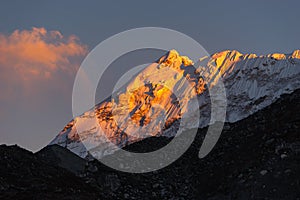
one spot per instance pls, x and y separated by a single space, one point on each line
40 53
35 61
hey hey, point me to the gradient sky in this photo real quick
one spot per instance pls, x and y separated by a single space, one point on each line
36 84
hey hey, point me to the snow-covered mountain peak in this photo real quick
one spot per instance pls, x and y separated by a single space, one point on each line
172 58
296 54
147 106
222 57
153 102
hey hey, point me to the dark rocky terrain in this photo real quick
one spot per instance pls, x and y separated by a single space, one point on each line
255 158
23 175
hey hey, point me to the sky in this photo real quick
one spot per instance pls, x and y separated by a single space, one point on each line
42 44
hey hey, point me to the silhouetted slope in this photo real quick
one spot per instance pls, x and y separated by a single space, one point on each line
24 175
62 157
255 158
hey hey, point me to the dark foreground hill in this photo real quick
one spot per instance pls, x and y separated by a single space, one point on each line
24 176
256 158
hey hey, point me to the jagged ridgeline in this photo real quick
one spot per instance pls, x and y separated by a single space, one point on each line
147 105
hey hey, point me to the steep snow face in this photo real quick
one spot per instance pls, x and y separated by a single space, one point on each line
153 103
150 104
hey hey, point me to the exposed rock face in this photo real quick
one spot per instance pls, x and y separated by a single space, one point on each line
153 103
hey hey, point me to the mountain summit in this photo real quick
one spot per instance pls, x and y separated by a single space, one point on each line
154 101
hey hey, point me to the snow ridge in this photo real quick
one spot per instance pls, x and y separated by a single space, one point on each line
147 107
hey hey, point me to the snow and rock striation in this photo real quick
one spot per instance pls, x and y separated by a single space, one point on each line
252 82
153 103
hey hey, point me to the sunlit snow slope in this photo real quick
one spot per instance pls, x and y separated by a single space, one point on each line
153 103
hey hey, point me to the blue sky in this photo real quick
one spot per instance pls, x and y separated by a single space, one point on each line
249 26
32 120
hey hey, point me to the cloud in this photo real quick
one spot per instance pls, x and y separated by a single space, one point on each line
36 60
39 53
37 70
